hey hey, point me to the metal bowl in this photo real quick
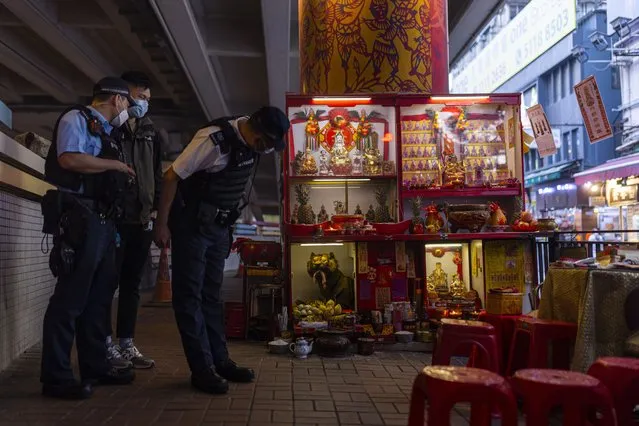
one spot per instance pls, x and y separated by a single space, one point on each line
468 216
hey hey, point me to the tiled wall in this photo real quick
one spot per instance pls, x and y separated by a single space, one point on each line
25 280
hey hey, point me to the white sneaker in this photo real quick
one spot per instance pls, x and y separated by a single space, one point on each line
133 355
114 356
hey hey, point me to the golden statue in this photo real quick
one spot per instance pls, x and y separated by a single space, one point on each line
457 287
308 166
454 172
438 280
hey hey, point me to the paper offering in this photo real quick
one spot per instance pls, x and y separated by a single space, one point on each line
542 131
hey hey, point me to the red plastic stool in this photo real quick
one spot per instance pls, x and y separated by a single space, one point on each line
577 393
462 337
540 334
621 377
444 386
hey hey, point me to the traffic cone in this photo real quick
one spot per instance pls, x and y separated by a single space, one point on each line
163 293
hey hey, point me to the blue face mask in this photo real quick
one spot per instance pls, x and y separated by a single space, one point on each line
140 108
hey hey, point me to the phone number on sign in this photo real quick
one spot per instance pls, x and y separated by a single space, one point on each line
544 36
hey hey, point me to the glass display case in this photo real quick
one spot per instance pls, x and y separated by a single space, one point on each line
390 193
452 143
342 140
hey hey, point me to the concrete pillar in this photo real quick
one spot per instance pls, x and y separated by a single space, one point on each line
365 46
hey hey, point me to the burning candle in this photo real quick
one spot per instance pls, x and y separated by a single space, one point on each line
388 137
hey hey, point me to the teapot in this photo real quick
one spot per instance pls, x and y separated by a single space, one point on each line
301 348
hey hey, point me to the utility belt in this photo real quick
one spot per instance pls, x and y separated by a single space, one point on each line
66 218
208 215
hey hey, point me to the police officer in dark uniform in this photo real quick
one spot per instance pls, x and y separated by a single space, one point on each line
210 178
91 174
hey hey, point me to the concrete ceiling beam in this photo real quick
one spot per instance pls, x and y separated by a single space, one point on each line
181 28
41 17
124 28
18 57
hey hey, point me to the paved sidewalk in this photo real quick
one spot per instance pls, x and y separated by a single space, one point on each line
359 390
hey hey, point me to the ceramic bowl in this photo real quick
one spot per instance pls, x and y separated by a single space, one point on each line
278 347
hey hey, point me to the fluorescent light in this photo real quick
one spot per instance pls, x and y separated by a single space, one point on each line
341 180
320 244
460 98
328 100
443 245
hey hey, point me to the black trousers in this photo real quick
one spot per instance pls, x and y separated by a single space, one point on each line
77 309
198 270
131 257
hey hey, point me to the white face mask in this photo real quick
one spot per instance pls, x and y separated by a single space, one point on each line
140 108
120 119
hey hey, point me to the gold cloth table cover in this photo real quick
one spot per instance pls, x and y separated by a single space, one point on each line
594 299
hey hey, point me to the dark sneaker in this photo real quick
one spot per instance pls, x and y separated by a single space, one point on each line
210 382
68 391
231 372
115 376
135 357
114 355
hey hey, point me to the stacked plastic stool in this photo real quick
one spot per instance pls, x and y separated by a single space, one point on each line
462 337
444 386
578 394
621 377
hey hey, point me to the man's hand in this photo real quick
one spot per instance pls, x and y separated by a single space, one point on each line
162 236
123 168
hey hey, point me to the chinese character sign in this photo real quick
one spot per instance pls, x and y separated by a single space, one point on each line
542 131
593 110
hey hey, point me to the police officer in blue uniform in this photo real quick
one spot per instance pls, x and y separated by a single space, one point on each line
202 196
91 174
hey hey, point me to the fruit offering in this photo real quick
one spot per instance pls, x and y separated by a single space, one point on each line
318 311
525 224
497 216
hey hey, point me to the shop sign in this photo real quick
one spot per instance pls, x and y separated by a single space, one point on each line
593 110
623 195
542 131
538 27
597 201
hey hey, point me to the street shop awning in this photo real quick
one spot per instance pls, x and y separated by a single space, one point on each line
546 175
612 169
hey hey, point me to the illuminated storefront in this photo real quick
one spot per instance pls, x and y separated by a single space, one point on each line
613 189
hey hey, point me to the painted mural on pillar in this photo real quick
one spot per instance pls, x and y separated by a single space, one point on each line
359 46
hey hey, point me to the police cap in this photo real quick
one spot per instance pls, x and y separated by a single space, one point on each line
113 86
272 123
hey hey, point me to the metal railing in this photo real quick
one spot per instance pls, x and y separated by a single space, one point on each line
575 245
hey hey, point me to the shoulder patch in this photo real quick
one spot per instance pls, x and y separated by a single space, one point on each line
220 140
217 137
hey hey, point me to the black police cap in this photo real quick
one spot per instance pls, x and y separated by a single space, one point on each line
272 123
113 86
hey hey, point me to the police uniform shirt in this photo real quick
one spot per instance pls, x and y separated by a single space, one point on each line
74 137
202 153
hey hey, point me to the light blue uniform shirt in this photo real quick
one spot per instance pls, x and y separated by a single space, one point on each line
74 136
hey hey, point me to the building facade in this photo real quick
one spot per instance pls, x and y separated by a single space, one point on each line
546 67
617 181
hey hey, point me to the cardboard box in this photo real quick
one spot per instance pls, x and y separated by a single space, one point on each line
504 303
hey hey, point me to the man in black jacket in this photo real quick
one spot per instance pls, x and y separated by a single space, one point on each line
142 148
